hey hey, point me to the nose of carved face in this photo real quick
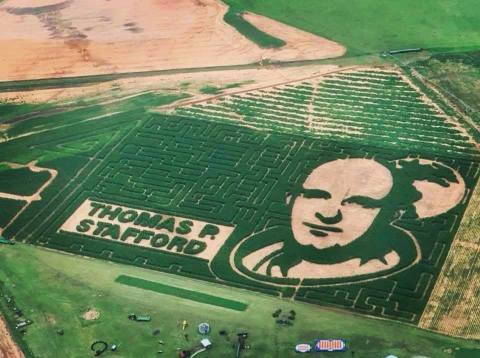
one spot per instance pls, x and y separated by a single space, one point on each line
330 220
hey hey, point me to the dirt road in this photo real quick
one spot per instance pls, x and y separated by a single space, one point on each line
8 348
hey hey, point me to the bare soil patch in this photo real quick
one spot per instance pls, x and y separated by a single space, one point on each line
86 37
91 315
8 348
308 270
208 253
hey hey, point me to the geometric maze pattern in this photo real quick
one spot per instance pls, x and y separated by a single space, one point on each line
232 160
228 174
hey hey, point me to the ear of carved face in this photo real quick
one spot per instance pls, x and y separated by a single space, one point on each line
441 187
339 202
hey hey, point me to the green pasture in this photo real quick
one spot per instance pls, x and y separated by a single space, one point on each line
366 26
55 289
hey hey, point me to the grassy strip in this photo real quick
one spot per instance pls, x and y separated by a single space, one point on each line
49 83
182 293
78 81
234 18
217 90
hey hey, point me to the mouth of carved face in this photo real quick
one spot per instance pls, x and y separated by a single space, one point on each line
321 230
324 230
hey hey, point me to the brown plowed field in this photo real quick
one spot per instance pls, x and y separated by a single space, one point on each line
85 37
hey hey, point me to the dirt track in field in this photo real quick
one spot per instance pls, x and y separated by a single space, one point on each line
246 79
86 37
8 348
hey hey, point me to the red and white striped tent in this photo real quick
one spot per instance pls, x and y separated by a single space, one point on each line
330 345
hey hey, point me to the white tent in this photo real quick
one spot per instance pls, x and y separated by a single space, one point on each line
206 343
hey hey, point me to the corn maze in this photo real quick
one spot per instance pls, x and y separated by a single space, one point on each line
215 191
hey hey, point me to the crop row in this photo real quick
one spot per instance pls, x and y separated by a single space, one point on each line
378 108
454 306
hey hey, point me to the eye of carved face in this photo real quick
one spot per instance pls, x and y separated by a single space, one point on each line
339 201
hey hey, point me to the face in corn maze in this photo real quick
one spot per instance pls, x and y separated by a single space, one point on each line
345 222
331 210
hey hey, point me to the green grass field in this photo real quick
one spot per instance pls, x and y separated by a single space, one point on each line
55 289
368 26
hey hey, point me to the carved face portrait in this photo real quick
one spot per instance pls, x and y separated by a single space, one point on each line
344 219
334 209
